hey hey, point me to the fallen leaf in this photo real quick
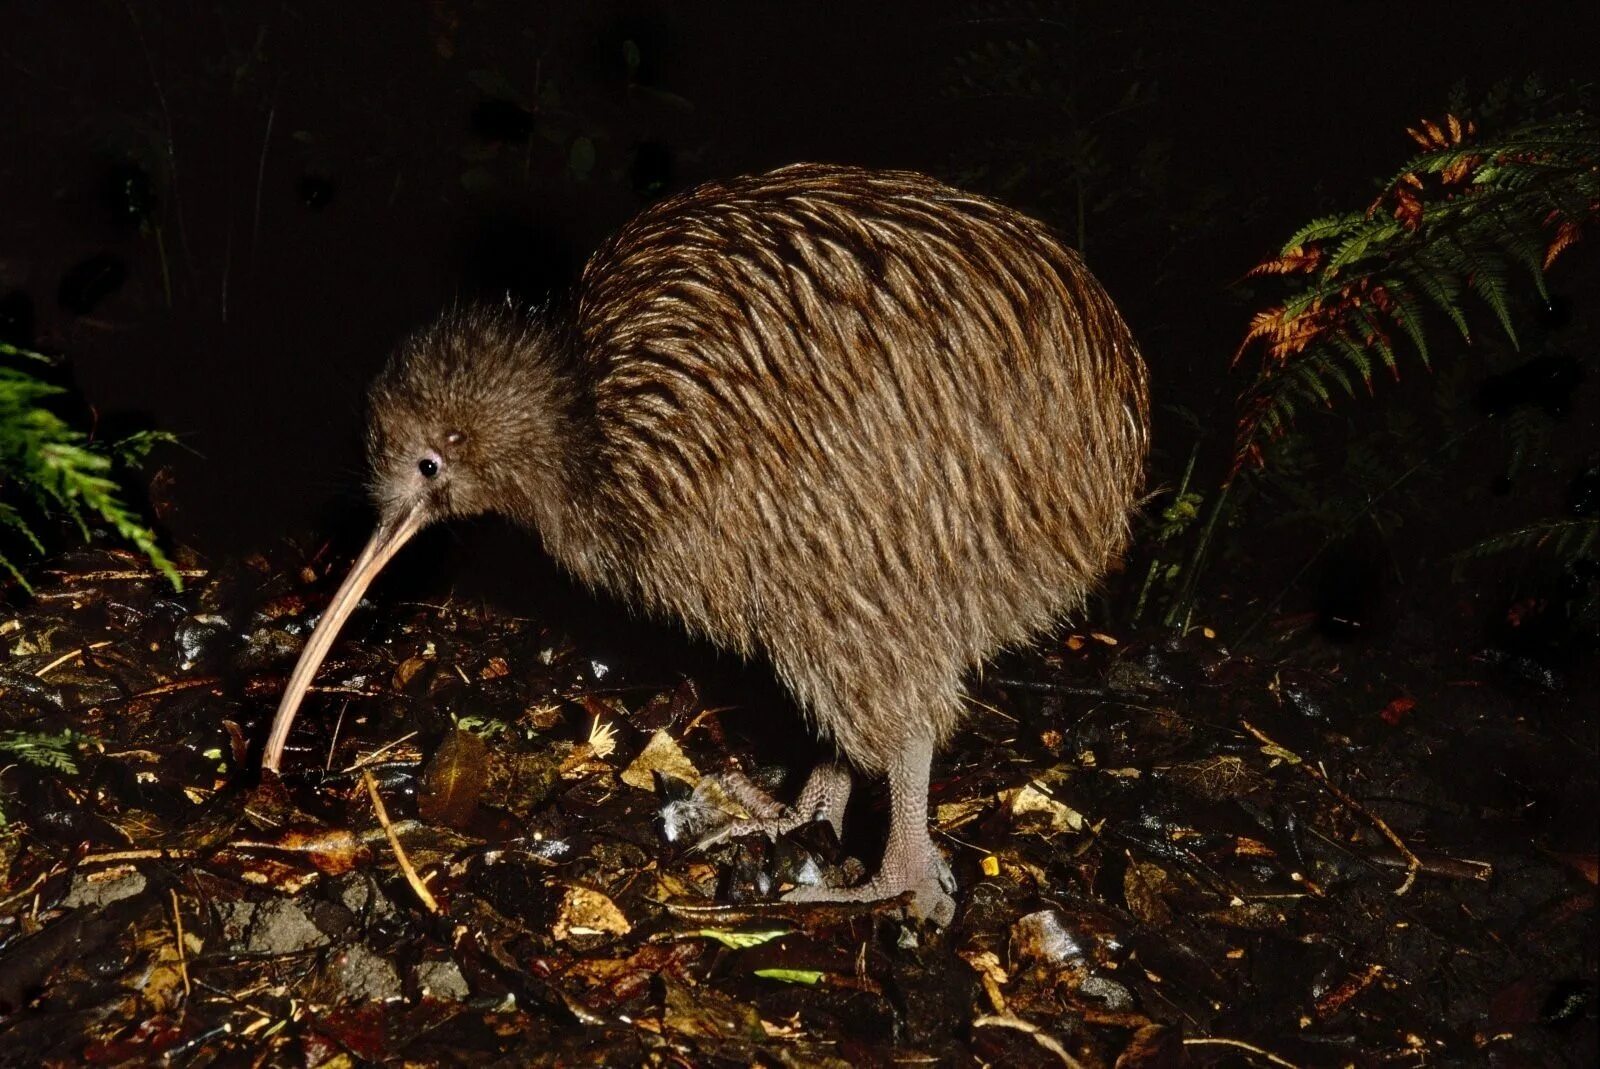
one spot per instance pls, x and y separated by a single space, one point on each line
661 754
585 911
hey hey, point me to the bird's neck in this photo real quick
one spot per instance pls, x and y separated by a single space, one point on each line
553 489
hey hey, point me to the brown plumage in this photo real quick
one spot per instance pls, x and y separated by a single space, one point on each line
859 422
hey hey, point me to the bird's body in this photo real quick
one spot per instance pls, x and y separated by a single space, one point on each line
859 423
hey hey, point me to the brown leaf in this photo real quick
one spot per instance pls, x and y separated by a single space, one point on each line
585 911
1155 1046
704 1011
332 851
1296 260
1459 170
1408 209
1142 887
453 781
1353 985
1566 236
407 670
1396 710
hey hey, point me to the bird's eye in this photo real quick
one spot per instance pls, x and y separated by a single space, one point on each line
429 467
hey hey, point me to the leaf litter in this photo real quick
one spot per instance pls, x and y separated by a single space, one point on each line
1168 854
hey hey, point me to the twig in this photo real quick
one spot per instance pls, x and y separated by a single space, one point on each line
1449 868
175 686
261 178
372 757
1044 686
65 657
1413 862
183 958
333 743
702 714
116 857
1204 1041
424 895
22 893
133 574
1044 1040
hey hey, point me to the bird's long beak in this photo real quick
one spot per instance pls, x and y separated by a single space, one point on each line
385 542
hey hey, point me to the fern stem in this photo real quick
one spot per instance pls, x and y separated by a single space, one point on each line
1191 572
1144 590
166 271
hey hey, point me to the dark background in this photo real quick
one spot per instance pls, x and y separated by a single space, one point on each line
312 180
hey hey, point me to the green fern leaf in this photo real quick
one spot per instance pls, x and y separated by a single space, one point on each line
1326 228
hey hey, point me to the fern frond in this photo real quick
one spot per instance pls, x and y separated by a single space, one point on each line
1440 282
57 753
1407 312
60 471
1324 229
1566 539
1455 227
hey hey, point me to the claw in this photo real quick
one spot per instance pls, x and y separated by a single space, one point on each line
929 899
822 798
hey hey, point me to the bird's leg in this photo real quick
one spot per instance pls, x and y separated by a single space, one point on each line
910 861
823 797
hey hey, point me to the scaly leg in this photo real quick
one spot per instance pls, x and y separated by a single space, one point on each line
910 861
823 797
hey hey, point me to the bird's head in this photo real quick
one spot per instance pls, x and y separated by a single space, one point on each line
467 417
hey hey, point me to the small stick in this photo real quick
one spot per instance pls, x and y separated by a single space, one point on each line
1202 1041
10 900
1044 1040
126 574
333 743
372 758
115 857
423 894
1450 868
183 958
1413 862
1068 690
702 714
175 686
65 657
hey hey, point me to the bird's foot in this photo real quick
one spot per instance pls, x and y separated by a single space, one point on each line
927 877
822 798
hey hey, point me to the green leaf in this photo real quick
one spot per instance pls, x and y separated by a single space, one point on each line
743 940
809 977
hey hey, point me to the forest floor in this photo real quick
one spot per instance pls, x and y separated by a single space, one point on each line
1169 854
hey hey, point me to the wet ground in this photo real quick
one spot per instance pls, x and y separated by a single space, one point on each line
1168 854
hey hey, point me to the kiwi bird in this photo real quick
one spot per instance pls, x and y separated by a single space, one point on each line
858 423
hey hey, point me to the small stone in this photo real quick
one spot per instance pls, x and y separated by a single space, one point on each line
277 926
441 978
99 889
362 974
